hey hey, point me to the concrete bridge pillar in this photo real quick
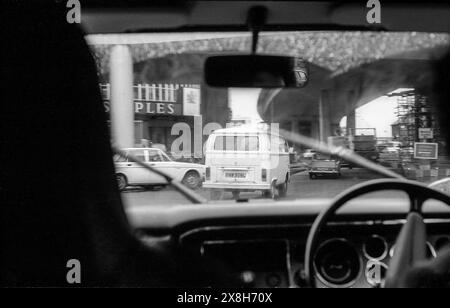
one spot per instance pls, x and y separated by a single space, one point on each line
351 112
335 129
315 127
324 116
122 106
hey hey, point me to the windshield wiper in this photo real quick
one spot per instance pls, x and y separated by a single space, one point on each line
186 192
342 152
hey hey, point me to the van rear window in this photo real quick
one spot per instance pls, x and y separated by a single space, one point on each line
236 143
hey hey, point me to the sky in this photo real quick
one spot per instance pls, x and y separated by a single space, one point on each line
379 114
243 103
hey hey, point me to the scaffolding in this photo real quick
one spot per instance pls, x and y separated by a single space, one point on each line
413 112
406 123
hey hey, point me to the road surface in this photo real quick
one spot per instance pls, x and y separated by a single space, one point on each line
301 186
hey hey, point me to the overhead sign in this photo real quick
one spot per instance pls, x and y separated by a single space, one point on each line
425 150
425 133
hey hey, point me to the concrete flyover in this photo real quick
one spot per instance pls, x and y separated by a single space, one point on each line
347 69
329 97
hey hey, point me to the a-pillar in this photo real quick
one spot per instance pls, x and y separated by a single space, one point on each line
122 106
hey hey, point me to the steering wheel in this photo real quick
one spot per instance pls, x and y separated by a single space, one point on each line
408 265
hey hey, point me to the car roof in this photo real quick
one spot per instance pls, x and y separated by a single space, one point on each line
246 129
116 16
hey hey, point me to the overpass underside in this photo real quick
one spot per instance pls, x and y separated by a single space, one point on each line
317 109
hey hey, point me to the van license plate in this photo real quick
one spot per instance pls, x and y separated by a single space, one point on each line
235 175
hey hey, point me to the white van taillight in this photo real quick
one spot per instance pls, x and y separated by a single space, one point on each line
208 173
264 175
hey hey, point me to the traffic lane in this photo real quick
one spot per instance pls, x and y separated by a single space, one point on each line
301 186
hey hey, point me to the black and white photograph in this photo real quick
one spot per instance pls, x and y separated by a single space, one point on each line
225 150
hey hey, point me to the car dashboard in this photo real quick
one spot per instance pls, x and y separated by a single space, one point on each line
262 244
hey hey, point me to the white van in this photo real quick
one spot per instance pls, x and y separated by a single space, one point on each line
246 158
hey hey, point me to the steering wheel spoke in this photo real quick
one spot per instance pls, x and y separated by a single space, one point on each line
416 202
410 249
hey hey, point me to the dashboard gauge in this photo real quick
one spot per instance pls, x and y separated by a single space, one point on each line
337 263
375 248
375 272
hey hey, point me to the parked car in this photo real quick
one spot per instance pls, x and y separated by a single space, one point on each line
309 153
129 173
325 167
244 158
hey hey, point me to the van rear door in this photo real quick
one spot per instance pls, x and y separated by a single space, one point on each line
236 158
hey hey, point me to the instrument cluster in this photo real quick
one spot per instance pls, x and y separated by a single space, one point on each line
358 261
340 261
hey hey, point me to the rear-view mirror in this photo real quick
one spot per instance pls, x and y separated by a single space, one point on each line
256 71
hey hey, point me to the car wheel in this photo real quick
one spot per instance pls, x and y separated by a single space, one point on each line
312 176
282 189
121 181
192 180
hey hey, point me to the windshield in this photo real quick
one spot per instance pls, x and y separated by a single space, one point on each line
370 94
